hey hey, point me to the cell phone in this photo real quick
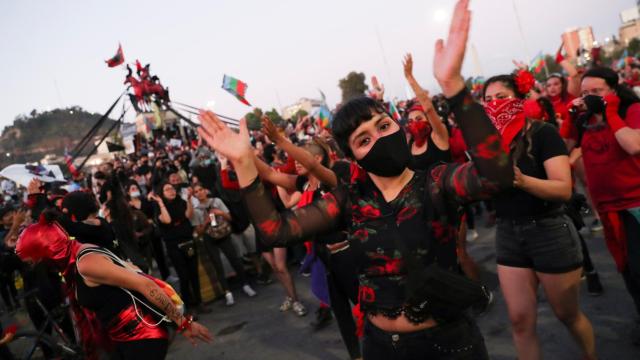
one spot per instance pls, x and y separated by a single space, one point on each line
212 217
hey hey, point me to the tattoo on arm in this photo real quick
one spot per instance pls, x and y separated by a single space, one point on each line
160 299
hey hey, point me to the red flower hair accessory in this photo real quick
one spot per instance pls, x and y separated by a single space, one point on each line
524 81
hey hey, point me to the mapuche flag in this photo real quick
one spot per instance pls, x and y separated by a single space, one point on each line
537 64
236 88
117 59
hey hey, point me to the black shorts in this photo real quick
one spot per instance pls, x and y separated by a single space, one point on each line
547 245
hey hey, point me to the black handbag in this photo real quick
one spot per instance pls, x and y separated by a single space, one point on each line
445 293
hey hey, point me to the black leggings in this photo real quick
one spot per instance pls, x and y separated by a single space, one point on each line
214 247
141 349
342 279
187 269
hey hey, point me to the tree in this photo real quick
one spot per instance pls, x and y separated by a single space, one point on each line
274 117
353 85
254 119
634 47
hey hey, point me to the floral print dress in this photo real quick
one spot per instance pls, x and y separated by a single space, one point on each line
424 216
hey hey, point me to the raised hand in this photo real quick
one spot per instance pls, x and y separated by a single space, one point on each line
447 61
378 89
407 64
271 130
520 65
235 146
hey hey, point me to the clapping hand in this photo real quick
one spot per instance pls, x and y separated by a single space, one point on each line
271 130
447 61
235 146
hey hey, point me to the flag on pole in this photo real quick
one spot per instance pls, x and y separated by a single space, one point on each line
537 64
117 59
395 114
236 88
324 117
623 59
69 162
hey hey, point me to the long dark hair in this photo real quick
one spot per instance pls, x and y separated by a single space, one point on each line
524 142
564 92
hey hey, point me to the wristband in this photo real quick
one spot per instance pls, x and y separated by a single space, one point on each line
186 323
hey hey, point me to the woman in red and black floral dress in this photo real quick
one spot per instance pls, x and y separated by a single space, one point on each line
387 205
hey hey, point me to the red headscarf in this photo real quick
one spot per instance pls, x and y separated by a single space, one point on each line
507 115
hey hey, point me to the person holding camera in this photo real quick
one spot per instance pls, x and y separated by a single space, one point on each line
607 131
212 221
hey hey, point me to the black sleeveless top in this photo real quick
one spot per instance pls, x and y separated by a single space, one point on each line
105 300
430 157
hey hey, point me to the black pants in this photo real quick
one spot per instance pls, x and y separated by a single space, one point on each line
187 269
8 290
458 340
214 247
631 273
342 279
141 349
158 255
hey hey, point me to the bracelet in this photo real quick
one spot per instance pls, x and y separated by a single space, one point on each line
186 323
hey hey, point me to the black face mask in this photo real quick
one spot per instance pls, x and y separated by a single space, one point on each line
388 157
594 103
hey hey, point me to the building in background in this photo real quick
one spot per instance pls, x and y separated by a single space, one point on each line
630 27
577 40
311 106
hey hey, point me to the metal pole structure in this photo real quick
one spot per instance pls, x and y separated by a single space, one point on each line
116 124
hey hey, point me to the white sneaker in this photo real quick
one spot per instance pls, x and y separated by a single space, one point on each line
286 304
229 297
249 291
299 309
472 235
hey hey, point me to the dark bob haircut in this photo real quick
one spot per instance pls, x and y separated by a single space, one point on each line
353 113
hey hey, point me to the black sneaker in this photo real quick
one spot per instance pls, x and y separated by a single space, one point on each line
594 287
264 279
595 226
323 318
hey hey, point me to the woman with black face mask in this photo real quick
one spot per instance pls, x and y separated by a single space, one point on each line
608 135
399 221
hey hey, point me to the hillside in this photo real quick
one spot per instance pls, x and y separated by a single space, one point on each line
32 137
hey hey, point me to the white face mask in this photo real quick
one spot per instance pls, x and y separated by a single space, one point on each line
101 213
135 194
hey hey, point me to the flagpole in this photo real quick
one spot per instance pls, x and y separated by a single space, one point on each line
384 57
524 42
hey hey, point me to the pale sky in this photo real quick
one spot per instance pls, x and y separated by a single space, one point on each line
53 51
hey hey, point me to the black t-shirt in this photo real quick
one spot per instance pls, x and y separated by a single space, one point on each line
516 203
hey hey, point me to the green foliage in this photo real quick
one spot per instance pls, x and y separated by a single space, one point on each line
253 119
353 85
275 117
39 133
634 47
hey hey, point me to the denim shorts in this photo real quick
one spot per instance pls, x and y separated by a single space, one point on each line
457 340
546 244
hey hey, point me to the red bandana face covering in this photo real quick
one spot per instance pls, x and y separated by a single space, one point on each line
419 131
507 115
503 111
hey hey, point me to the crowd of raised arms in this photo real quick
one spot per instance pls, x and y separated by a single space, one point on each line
378 209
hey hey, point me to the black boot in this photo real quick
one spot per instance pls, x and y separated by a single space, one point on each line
323 318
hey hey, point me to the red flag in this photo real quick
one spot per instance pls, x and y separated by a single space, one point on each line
559 56
117 59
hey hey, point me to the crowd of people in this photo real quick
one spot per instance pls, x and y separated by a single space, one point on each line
377 210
